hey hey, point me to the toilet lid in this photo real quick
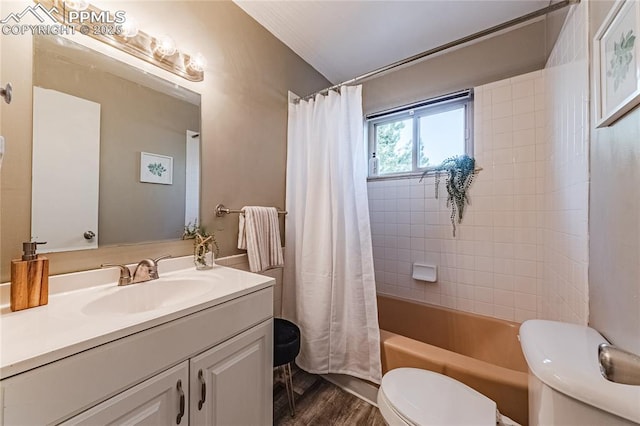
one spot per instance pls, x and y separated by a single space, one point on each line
423 397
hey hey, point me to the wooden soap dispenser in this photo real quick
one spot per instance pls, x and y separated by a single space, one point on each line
29 279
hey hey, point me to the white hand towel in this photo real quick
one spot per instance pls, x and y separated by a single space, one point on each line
259 235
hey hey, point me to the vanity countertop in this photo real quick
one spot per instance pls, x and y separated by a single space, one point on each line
70 323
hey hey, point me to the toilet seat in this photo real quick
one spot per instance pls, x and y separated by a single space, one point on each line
411 396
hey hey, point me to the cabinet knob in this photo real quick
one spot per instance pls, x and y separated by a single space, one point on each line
89 235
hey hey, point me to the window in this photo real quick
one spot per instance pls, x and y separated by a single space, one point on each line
414 138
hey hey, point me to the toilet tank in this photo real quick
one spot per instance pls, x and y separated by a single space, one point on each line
565 383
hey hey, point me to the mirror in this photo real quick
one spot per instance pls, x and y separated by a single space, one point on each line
127 141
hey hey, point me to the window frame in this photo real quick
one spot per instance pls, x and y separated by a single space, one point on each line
415 111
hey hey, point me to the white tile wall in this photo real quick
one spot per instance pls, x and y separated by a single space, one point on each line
493 265
521 251
564 294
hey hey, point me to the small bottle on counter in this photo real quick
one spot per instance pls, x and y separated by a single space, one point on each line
29 279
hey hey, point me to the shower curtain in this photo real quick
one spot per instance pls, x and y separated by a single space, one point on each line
329 288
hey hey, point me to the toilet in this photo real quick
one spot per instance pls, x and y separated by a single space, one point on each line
565 387
411 396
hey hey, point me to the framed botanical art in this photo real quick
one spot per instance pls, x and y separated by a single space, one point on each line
617 63
156 168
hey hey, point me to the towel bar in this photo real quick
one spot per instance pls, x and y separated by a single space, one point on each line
221 210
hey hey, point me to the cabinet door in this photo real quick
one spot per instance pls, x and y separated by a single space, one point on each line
231 384
159 400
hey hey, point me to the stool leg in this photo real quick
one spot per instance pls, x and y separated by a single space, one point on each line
288 382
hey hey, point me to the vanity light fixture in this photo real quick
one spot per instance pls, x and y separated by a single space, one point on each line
197 63
129 28
76 4
164 46
126 36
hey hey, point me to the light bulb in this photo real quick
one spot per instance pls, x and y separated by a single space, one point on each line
197 62
129 28
77 4
165 46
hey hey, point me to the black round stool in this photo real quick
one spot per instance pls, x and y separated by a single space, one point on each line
286 347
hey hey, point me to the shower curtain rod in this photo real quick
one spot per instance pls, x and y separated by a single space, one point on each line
524 18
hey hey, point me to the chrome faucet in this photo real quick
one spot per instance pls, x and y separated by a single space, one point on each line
146 270
125 273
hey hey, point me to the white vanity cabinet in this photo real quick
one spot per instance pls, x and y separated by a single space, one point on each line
134 379
228 382
160 400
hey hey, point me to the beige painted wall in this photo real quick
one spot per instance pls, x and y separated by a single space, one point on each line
517 52
244 116
133 118
614 226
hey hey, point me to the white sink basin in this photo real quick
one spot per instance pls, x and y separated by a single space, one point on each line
147 296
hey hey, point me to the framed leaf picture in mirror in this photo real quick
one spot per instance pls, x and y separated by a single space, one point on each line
156 168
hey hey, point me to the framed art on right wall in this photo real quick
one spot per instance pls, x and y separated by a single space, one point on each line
617 63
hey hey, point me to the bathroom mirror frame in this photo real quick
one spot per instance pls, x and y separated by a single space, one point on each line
16 226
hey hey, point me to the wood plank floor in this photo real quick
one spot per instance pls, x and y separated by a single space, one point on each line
319 402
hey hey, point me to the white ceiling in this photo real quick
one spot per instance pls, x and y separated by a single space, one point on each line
344 39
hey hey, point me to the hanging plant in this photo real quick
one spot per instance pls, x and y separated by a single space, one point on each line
460 172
